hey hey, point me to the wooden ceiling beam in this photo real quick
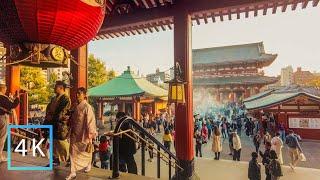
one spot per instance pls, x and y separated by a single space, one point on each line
145 3
221 16
247 12
238 13
256 11
274 8
305 4
197 18
162 25
213 17
265 9
284 6
205 18
155 26
294 5
229 15
315 3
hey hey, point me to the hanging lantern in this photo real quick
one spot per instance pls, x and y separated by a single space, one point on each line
41 33
176 87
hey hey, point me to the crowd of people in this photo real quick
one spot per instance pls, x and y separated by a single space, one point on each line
76 140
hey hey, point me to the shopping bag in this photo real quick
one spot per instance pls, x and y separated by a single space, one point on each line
302 157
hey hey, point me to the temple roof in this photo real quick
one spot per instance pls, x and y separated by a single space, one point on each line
235 80
276 97
126 85
248 53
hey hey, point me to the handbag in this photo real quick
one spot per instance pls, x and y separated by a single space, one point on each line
302 157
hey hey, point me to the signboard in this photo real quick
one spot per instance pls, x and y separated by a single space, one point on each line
304 123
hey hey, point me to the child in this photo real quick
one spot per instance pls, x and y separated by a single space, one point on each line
95 155
199 142
254 170
167 139
104 152
274 166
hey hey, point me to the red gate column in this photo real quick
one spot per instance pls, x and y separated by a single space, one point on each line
13 84
79 71
184 113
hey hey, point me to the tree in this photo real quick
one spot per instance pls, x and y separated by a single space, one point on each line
53 77
97 72
34 80
315 82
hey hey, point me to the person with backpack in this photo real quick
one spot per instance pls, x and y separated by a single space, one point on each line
294 149
254 170
275 166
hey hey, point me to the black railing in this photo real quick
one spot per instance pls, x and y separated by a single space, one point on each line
136 131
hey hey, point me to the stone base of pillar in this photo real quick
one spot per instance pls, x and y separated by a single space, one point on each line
188 172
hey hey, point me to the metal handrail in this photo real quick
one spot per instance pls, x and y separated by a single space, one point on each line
147 143
117 132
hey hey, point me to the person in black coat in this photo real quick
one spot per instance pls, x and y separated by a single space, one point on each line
127 149
266 159
254 170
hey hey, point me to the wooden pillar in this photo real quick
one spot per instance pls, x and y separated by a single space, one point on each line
136 109
13 85
184 112
79 71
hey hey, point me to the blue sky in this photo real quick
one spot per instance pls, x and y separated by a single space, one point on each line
293 35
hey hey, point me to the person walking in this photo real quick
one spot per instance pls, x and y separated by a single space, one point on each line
199 142
257 141
267 138
82 130
282 131
266 159
7 104
276 145
167 139
57 115
224 127
236 147
294 149
254 170
275 166
216 143
127 148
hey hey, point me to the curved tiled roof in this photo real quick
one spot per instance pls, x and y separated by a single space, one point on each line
127 84
248 53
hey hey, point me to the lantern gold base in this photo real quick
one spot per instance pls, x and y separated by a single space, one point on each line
39 55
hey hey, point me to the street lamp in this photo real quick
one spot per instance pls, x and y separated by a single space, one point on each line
176 87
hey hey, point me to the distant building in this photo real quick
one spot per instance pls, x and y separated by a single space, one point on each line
232 72
159 77
286 78
2 67
302 77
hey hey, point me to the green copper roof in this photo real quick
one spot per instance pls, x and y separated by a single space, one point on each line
232 54
127 84
234 80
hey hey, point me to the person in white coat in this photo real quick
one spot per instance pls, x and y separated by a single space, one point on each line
276 145
236 146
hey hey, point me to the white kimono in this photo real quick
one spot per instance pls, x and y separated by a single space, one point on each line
276 145
83 130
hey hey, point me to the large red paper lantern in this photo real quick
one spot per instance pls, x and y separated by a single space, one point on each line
66 23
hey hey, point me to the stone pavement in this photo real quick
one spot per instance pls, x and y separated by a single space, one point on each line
58 174
208 169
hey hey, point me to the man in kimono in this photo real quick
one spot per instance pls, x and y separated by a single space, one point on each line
6 106
57 114
83 130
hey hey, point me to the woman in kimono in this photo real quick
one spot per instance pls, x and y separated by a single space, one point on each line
276 145
83 130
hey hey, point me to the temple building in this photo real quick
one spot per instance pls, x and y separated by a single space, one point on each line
295 106
232 73
131 94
